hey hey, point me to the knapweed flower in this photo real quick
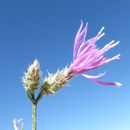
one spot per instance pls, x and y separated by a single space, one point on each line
86 56
54 82
32 77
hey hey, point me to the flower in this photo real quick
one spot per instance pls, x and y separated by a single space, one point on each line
86 56
32 77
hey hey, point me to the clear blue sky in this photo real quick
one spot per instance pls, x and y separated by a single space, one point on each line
46 30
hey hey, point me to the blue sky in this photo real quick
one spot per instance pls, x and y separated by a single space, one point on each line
45 30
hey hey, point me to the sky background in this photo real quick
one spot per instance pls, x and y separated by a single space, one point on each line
45 30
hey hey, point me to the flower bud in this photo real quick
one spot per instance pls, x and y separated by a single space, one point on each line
32 77
54 82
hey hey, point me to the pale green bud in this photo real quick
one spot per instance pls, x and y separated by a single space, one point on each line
32 77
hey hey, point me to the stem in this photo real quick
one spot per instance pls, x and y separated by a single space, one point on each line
27 93
34 115
39 97
22 127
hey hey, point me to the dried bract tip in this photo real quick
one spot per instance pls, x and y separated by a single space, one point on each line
54 82
32 77
16 123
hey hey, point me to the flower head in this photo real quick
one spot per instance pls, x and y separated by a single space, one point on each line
86 56
32 77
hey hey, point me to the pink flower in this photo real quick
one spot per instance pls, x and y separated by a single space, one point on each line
86 56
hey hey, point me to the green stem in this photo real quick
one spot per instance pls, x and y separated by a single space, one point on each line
39 97
27 93
22 127
34 116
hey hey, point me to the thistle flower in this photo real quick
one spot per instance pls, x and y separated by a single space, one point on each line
86 56
32 77
54 82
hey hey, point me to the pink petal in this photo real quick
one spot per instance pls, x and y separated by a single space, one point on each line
80 27
106 83
113 58
84 32
80 38
83 58
76 46
85 46
89 59
94 77
109 46
106 60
